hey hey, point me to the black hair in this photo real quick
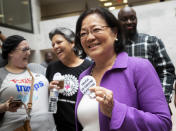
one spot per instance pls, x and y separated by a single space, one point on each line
10 44
67 33
111 21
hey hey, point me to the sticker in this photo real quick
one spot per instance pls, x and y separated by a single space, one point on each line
58 77
85 83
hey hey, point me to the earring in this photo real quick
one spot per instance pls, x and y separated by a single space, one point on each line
116 40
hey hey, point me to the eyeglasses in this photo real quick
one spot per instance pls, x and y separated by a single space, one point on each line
24 49
94 31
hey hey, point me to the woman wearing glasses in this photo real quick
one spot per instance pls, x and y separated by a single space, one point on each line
128 93
15 88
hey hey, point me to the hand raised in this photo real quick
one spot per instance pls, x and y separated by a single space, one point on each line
105 99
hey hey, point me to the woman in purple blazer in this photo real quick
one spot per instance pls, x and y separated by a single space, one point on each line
128 93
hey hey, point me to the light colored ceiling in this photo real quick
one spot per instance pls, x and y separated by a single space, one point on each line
45 2
58 8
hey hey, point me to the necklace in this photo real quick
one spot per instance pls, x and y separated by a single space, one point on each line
91 72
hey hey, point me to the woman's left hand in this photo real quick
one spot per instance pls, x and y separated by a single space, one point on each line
105 99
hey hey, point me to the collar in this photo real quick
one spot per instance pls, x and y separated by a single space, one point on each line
120 62
133 38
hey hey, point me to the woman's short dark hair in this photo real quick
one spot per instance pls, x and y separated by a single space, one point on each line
10 44
67 33
111 21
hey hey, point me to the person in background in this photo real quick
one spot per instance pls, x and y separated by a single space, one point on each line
149 47
15 83
70 65
49 57
128 92
2 61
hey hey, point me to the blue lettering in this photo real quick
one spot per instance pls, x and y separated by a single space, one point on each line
19 89
28 88
25 88
22 87
41 84
36 86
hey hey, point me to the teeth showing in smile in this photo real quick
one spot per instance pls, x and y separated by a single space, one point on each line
58 51
92 45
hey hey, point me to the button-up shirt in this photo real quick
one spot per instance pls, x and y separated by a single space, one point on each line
152 48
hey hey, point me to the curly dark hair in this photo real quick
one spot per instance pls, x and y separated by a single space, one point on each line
10 44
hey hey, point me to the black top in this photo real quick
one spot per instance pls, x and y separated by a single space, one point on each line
65 116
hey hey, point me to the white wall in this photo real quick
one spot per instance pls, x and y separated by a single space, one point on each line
47 26
160 20
155 19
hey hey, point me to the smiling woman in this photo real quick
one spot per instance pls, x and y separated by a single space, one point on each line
125 86
69 65
14 50
15 83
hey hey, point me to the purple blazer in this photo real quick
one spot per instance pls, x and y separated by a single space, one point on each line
139 102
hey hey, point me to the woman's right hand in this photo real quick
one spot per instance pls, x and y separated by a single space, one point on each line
54 84
105 98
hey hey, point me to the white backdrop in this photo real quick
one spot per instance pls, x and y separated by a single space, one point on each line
157 19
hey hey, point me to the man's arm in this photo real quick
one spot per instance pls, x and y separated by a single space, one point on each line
164 68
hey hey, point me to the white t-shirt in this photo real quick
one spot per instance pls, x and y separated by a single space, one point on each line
90 119
18 86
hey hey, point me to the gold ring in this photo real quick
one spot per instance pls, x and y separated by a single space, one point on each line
104 97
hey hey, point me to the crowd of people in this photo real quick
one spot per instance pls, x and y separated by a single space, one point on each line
133 74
